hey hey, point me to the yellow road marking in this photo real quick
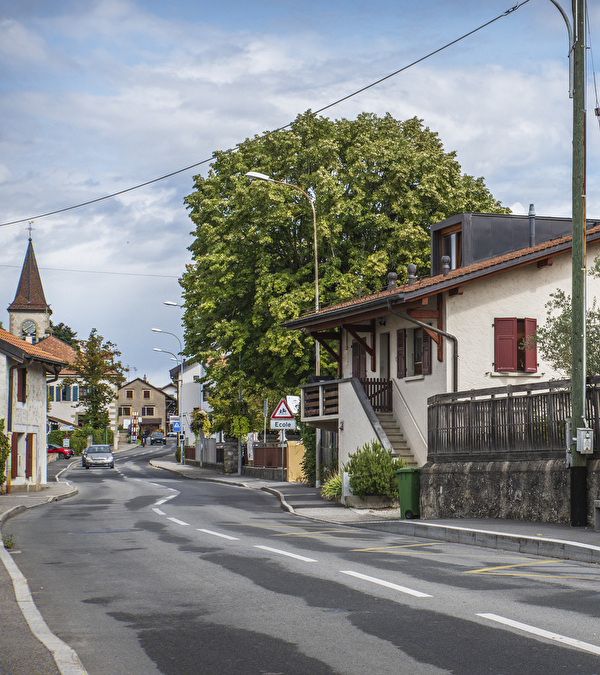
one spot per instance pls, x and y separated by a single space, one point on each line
498 571
506 567
391 548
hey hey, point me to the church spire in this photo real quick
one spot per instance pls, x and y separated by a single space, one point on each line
30 292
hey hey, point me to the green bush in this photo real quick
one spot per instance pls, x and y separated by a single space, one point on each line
78 438
332 487
372 471
4 452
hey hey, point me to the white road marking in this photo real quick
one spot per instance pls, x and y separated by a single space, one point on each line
162 501
578 644
176 520
66 659
155 484
218 534
387 584
160 513
289 555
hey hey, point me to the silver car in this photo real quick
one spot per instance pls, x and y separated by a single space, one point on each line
98 455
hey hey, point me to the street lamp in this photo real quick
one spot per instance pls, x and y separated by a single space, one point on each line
180 363
261 176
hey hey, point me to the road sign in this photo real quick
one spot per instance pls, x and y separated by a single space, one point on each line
282 412
176 426
283 424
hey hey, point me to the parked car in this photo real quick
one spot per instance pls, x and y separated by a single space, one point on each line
63 453
158 437
98 455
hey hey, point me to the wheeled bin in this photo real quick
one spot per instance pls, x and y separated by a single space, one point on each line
409 491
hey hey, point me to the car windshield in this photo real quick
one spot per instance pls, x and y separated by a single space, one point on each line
98 449
157 435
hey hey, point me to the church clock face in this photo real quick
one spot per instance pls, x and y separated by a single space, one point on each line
28 328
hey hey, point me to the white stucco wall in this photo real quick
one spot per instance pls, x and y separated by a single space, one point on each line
30 418
356 428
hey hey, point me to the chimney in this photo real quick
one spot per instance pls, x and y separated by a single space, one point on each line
392 278
412 274
531 225
445 265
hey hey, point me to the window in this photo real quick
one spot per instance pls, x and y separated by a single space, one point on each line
148 411
513 350
21 385
146 393
65 394
451 245
125 411
196 378
129 393
74 393
51 393
413 352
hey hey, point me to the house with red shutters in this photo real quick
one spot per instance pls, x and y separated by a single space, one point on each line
464 327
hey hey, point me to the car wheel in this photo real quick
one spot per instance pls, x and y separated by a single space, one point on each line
112 466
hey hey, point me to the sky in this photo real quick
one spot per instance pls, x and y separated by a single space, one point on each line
98 96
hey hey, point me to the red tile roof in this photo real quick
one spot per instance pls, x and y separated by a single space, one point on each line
28 348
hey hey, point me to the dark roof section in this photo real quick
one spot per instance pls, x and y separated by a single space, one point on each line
427 286
30 292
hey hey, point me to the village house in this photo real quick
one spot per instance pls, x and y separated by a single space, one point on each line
465 327
139 400
24 368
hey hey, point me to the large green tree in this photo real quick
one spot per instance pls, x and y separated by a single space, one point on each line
377 184
99 373
64 333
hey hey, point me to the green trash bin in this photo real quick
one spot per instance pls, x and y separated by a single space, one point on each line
409 491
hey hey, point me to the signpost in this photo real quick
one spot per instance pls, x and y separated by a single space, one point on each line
282 419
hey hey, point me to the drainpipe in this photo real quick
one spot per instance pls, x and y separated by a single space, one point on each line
453 338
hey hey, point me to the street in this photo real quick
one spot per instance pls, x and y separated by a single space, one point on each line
147 572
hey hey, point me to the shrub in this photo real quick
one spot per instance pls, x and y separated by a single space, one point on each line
372 471
4 452
332 487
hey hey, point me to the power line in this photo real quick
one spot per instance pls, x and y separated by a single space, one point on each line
518 5
122 274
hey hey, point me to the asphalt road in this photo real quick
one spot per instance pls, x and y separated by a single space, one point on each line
147 572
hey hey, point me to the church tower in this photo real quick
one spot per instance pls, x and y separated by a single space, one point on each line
29 312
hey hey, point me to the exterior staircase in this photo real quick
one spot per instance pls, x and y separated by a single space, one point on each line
396 438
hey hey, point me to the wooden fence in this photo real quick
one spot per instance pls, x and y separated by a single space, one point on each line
506 422
379 392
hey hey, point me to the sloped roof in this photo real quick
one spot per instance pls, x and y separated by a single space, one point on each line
427 286
21 349
30 292
60 350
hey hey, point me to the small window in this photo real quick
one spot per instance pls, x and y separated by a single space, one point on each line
51 393
129 393
148 411
125 411
66 394
21 385
514 350
196 378
413 352
146 393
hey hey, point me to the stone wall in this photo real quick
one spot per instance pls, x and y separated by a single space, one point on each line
537 491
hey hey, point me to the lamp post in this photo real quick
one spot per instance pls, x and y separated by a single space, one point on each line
261 176
180 363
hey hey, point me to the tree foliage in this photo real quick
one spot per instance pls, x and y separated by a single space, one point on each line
4 452
64 333
554 338
100 373
377 183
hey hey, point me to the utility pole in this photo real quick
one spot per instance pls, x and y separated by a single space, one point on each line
578 469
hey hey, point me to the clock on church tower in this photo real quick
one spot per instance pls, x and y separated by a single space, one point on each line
28 328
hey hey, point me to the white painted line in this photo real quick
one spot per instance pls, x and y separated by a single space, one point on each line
289 555
578 644
176 520
162 501
217 534
160 513
155 484
387 584
66 659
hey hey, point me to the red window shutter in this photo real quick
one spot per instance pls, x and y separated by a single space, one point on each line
531 349
426 367
505 345
29 456
14 459
401 353
21 385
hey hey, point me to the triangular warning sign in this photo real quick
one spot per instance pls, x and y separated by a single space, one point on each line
282 412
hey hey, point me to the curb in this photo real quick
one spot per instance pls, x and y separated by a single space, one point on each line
540 546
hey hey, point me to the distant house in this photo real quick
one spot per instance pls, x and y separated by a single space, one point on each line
465 327
24 368
142 400
191 394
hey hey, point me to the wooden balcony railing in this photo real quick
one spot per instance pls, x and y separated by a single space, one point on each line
379 392
321 399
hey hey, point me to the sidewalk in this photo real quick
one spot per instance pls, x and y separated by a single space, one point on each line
544 539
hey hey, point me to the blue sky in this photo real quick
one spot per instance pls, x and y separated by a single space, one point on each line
100 95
